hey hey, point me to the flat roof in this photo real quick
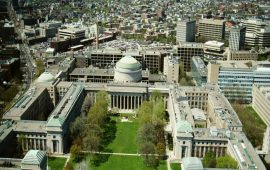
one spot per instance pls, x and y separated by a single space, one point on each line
62 110
214 44
23 103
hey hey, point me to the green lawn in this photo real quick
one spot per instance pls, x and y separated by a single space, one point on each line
125 163
56 163
175 166
125 140
253 126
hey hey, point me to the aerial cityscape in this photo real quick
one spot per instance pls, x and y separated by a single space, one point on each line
134 85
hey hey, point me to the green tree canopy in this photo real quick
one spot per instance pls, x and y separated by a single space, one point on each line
209 160
226 162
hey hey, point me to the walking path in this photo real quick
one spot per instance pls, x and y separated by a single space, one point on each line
121 154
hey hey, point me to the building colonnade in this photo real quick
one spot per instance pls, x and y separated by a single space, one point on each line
123 102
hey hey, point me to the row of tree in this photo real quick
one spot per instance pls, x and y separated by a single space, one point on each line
150 137
89 132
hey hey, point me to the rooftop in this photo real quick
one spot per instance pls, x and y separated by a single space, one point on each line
62 110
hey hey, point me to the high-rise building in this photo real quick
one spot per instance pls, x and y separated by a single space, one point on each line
188 50
211 29
171 69
257 33
185 31
237 38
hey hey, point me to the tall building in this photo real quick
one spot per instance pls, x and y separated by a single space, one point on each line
257 33
185 31
188 50
171 69
237 38
211 29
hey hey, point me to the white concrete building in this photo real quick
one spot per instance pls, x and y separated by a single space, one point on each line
185 31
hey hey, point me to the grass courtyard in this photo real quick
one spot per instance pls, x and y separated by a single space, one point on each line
253 126
124 142
56 163
125 163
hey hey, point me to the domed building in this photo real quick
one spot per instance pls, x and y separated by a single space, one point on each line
128 69
45 77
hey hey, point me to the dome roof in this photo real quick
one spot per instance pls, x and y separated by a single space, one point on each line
46 77
34 157
192 163
128 62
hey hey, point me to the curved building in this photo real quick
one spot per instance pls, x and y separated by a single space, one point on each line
128 69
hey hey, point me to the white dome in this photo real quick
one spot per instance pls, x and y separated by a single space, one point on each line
128 69
128 62
46 77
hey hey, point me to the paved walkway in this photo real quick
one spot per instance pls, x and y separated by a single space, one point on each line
121 154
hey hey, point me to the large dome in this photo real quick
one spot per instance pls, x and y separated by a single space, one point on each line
128 62
46 77
128 69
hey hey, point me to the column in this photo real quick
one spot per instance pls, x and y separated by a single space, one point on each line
120 100
217 152
125 102
111 101
35 145
135 101
26 144
129 103
195 151
114 101
132 104
117 101
44 145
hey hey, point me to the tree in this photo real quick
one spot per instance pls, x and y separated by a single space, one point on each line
155 95
68 166
160 148
150 137
226 162
77 128
76 154
209 160
147 149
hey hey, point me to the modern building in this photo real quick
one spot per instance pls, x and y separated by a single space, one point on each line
171 69
49 29
236 78
69 33
198 70
185 31
242 55
237 38
105 58
211 29
261 102
188 50
257 33
124 71
214 50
